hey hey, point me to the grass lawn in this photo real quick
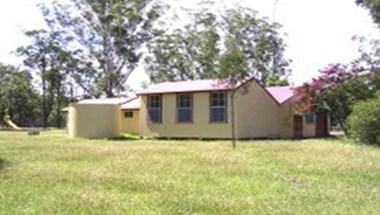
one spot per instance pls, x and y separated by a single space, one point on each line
51 174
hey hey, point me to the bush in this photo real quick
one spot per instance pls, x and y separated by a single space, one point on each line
364 122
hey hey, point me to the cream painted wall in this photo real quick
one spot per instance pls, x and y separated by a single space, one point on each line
309 130
286 120
257 114
130 125
94 121
200 128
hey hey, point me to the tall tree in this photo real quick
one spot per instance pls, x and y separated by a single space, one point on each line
233 63
185 54
260 43
108 36
198 51
46 57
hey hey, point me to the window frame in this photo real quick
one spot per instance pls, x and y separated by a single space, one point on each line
128 114
191 107
307 119
149 102
225 93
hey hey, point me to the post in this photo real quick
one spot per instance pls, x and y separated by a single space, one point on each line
233 133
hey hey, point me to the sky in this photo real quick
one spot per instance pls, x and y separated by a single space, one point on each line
317 32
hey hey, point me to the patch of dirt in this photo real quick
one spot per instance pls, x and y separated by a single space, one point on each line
293 180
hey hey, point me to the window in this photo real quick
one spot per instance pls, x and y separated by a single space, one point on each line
128 114
184 108
218 107
155 108
310 118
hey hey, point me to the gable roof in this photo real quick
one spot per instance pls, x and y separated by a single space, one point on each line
132 104
281 94
278 94
188 86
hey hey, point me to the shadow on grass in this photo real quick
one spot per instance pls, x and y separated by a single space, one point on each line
129 137
132 137
3 165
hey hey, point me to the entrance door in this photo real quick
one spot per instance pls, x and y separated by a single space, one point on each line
297 127
322 127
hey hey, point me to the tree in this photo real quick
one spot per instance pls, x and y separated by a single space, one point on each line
18 99
198 51
364 122
46 57
260 43
275 80
233 64
185 54
108 36
373 6
338 88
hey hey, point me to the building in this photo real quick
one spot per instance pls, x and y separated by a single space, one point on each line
205 109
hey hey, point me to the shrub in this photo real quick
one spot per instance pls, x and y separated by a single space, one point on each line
364 122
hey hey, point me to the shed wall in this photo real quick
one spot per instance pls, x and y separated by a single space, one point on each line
130 125
94 121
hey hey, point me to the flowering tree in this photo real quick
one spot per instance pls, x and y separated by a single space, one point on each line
338 88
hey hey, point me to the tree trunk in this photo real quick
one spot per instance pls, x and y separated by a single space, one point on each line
44 104
59 107
108 70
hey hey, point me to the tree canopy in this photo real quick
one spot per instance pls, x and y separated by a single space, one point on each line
107 38
46 57
234 44
373 6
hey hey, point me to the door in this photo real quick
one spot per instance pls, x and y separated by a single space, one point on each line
322 125
297 127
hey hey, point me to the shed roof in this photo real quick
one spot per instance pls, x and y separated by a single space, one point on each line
281 94
115 101
132 104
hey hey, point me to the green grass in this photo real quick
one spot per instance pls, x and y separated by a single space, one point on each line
51 174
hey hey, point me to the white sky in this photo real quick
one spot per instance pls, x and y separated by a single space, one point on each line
318 32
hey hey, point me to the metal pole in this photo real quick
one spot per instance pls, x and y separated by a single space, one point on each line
233 133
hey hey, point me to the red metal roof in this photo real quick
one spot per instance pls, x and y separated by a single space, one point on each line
281 94
188 86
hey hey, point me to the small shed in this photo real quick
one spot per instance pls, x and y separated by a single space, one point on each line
97 118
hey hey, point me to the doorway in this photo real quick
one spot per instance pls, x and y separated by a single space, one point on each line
322 125
297 127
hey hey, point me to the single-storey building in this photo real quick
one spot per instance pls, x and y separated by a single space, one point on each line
200 109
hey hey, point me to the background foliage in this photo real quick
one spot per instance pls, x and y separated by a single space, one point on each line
364 122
